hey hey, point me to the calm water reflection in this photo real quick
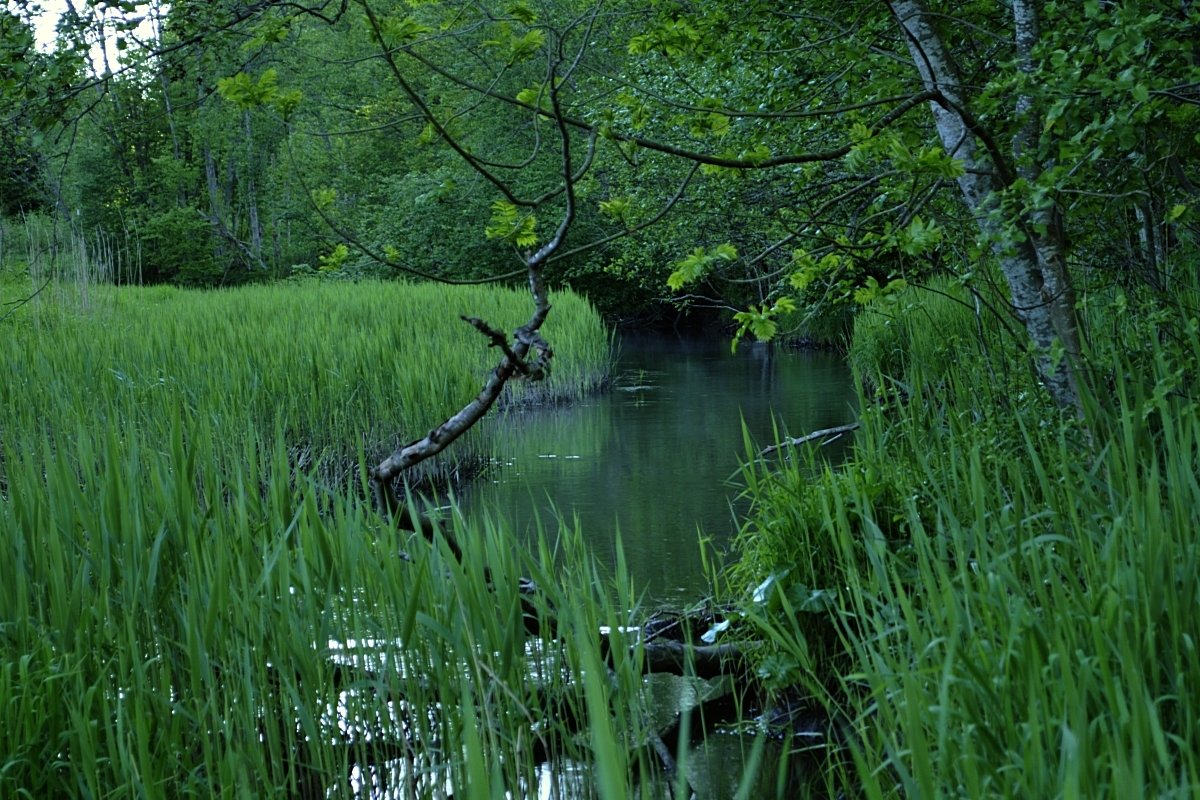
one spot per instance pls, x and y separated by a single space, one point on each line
656 458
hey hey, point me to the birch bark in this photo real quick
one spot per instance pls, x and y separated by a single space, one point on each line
1033 268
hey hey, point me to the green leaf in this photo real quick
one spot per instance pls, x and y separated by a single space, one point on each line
401 30
757 154
760 321
617 208
247 93
688 270
524 47
757 322
522 13
868 292
784 305
859 132
324 197
530 96
335 260
725 252
1176 212
919 236
508 224
697 263
285 103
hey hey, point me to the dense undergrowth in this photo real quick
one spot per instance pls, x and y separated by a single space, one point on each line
992 599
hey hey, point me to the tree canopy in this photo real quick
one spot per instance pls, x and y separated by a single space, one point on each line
784 163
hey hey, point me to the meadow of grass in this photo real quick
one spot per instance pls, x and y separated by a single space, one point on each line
992 599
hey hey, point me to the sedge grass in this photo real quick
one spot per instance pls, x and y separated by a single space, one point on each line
344 368
169 630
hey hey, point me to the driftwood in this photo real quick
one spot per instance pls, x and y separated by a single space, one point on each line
826 434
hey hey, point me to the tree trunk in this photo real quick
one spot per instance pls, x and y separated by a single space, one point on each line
251 192
1031 261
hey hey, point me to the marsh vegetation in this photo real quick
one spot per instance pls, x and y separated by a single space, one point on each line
265 266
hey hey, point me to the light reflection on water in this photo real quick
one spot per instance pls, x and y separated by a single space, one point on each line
365 714
396 780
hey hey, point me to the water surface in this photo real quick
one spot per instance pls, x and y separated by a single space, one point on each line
656 458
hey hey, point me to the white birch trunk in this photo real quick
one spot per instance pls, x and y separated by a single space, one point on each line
1033 268
251 192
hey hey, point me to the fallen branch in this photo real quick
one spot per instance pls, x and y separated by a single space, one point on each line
829 434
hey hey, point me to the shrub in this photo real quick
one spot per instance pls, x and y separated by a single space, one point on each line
177 246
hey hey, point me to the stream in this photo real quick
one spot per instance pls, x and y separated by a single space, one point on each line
655 460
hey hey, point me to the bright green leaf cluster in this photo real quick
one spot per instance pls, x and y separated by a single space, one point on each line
521 12
395 30
428 134
919 236
808 269
324 197
760 320
534 96
272 30
525 46
675 38
335 260
617 208
246 93
509 224
697 263
710 124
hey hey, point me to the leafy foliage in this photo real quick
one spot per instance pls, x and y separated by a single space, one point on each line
698 262
510 224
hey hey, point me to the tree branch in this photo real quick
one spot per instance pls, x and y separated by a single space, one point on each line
905 105
824 433
525 339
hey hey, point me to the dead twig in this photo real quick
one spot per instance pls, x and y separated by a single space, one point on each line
829 434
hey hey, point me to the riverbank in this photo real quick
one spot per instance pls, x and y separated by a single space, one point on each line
992 598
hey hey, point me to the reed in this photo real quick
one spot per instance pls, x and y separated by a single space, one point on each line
189 609
171 630
342 368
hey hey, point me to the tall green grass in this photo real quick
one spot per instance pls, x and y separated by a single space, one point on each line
189 610
916 335
1009 599
171 630
342 368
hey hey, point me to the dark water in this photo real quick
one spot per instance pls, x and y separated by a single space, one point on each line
656 458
